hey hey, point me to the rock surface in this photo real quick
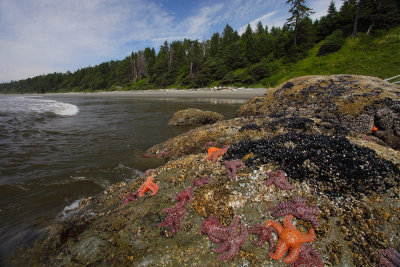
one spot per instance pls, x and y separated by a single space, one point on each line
193 116
357 102
355 221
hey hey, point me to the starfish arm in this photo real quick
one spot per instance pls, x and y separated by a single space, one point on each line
244 234
310 237
143 191
314 222
294 253
233 175
153 188
215 239
274 224
230 253
222 247
270 181
281 249
284 185
288 222
271 243
282 212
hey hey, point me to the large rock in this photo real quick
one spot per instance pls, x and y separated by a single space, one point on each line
357 102
193 116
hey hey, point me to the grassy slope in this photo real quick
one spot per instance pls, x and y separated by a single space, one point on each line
377 55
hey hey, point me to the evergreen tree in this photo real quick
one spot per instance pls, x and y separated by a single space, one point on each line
215 44
248 45
379 14
260 28
328 23
299 11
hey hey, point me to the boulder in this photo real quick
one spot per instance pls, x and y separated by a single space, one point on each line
356 102
193 116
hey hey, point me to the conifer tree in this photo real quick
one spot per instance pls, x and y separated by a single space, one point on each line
299 11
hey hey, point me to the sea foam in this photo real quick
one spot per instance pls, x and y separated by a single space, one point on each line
22 104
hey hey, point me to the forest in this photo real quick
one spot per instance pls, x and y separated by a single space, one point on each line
227 58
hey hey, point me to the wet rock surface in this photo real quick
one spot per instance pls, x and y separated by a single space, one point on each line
351 177
333 164
357 102
194 116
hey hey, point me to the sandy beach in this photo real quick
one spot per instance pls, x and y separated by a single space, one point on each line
230 93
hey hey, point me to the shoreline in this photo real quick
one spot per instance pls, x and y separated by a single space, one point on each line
231 93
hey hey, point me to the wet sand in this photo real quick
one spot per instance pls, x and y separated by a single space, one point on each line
231 93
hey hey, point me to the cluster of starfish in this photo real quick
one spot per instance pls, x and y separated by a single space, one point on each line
176 213
227 237
148 185
298 208
278 178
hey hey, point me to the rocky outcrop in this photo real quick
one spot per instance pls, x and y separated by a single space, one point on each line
350 176
356 102
193 116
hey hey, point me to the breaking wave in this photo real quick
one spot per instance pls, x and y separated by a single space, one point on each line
23 104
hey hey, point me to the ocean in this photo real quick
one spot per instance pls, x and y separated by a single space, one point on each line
58 149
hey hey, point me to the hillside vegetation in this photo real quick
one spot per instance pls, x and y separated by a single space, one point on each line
377 55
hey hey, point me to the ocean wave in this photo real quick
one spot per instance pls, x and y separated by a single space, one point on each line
70 209
23 104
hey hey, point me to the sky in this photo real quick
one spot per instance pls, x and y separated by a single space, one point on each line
45 36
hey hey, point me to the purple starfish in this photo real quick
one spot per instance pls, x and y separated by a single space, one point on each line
227 237
309 257
174 217
164 153
389 258
185 195
233 166
278 178
264 235
202 181
130 197
215 231
298 208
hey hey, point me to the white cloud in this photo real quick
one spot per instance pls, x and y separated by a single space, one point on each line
44 36
265 20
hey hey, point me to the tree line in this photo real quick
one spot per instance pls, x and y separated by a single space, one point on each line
227 58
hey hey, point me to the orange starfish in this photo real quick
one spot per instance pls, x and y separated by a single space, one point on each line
148 185
214 152
211 150
289 239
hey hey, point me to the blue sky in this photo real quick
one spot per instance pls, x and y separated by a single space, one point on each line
44 36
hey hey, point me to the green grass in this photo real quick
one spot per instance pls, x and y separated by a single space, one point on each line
373 55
